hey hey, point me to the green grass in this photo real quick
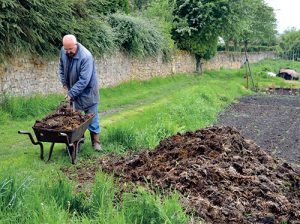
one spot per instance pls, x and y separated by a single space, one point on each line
134 116
27 107
130 94
187 107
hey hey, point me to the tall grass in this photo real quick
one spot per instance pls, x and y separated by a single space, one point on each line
144 207
28 107
11 193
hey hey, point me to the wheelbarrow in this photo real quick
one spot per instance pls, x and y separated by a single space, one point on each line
72 138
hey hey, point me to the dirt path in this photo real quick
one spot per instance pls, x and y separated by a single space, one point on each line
272 121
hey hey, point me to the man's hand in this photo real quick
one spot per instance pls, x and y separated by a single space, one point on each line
67 97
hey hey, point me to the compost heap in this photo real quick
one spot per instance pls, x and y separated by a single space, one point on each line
63 119
222 177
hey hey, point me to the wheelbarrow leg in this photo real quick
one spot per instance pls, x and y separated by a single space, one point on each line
35 143
69 148
81 141
51 150
73 150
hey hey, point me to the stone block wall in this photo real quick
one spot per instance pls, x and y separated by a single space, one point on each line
26 77
234 60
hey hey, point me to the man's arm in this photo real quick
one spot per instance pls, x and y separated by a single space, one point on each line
62 72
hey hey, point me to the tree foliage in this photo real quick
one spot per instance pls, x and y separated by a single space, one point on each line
253 23
198 24
289 44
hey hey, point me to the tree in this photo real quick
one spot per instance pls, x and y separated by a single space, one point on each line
253 22
289 44
198 25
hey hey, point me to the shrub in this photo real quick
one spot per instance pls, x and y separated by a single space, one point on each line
94 34
37 27
136 36
106 7
25 26
161 12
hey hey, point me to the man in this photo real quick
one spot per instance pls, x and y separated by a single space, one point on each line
78 75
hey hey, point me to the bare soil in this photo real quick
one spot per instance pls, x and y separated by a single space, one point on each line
272 121
222 176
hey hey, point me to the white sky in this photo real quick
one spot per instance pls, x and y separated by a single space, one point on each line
287 13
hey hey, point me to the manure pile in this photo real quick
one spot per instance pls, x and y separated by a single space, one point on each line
63 119
222 177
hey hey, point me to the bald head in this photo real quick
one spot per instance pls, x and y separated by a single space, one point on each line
70 44
69 38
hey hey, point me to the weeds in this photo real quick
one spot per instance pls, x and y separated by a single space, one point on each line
11 193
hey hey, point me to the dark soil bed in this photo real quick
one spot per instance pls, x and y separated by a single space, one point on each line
272 121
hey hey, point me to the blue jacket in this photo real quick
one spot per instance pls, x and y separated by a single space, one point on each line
79 75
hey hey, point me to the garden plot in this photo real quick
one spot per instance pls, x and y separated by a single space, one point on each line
272 121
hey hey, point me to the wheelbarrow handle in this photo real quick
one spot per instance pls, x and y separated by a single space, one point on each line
34 142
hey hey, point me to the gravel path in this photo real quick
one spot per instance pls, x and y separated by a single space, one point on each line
272 121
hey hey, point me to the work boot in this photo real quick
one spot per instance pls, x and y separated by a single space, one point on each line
95 141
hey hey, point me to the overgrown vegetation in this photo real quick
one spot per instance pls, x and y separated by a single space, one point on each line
143 27
136 36
36 27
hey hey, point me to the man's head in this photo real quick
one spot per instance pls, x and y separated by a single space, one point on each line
70 44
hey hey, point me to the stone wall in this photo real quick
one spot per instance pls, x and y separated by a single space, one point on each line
27 77
234 59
